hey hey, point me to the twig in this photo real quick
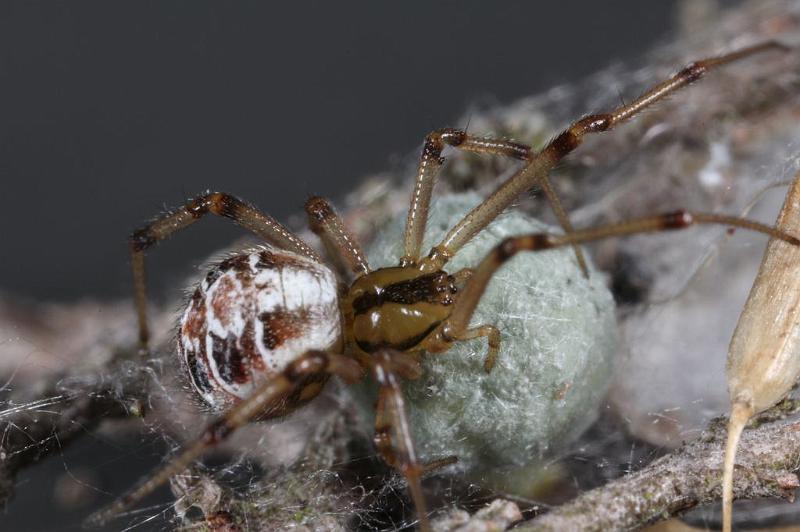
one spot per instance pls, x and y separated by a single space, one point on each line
691 475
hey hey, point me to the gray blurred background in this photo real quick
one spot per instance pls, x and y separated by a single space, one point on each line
112 111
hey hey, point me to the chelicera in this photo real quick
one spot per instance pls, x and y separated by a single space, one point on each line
266 328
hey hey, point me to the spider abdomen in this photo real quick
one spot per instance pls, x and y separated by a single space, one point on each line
250 317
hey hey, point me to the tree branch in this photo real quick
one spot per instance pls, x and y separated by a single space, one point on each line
689 476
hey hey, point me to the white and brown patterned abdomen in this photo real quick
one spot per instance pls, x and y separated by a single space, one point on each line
252 315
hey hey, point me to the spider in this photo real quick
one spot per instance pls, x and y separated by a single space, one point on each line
267 327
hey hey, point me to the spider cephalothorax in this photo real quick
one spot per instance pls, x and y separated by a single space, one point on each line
398 307
266 328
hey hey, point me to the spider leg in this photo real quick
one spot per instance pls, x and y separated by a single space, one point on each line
462 276
439 463
218 203
540 165
392 431
430 163
456 325
339 243
492 335
309 365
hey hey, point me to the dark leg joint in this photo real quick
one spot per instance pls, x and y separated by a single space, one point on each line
217 202
692 72
571 138
565 143
225 205
434 143
538 241
318 209
593 123
513 245
198 207
451 136
677 220
141 239
433 149
507 249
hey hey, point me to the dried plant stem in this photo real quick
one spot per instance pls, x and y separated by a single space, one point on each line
740 414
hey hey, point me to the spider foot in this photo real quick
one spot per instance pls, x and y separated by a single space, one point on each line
439 463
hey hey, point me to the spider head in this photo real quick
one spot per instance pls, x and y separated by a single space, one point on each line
398 307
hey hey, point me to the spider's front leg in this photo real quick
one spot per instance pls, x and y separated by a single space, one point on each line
450 331
307 366
539 165
341 246
220 204
441 341
392 431
430 163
